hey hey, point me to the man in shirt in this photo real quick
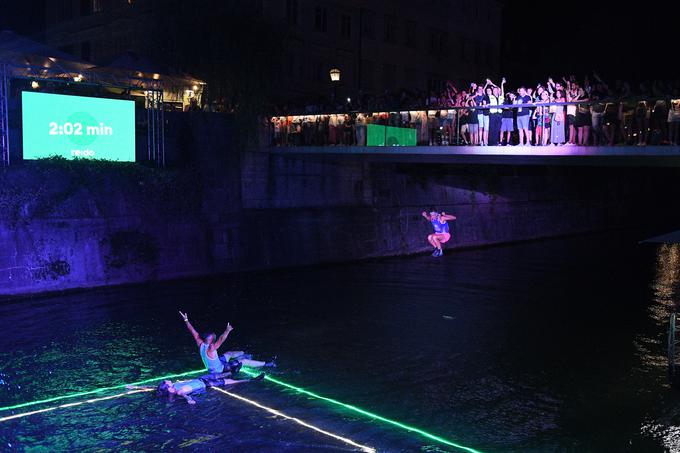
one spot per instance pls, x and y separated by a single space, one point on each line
523 115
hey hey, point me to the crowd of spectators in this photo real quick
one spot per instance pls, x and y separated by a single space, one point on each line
563 111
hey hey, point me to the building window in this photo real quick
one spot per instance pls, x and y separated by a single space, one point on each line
411 77
320 19
89 7
435 83
63 10
390 29
410 37
389 76
368 28
367 75
437 42
292 12
345 26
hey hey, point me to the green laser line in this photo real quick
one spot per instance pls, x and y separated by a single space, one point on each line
367 414
100 390
270 379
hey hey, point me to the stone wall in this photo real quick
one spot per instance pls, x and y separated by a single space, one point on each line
218 209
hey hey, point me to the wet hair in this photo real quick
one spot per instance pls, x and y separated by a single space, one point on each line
163 388
205 337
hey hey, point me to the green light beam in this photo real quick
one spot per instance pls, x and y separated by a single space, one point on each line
278 413
78 403
299 390
367 414
99 390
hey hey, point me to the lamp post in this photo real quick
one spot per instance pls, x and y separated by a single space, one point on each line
335 80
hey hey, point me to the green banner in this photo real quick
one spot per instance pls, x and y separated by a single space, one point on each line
390 136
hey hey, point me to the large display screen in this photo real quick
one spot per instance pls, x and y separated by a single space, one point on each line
390 136
77 127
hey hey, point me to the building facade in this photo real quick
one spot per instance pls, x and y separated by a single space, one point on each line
379 45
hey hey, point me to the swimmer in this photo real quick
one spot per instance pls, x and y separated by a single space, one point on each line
186 388
441 233
226 363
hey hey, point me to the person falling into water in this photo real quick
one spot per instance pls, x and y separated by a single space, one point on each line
227 362
441 233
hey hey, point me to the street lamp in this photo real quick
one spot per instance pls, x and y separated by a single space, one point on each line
335 80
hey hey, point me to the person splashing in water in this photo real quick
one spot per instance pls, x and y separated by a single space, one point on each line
441 233
187 387
228 362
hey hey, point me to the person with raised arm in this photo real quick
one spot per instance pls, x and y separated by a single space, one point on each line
208 349
441 233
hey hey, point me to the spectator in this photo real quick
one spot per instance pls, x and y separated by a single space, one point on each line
495 114
674 121
542 115
557 122
523 115
507 124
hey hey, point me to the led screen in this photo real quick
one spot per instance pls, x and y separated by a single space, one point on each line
77 127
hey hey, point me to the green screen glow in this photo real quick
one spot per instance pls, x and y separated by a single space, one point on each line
77 127
390 136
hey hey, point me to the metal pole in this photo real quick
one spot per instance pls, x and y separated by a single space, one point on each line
148 124
162 137
4 115
457 133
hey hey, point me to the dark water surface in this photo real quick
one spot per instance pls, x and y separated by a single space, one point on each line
548 346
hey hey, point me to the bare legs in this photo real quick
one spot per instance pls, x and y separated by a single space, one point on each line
583 135
434 241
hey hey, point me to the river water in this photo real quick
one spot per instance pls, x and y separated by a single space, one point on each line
555 345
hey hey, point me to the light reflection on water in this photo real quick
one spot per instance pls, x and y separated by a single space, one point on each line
550 346
665 426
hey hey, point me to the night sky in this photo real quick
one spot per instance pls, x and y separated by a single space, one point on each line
540 38
619 41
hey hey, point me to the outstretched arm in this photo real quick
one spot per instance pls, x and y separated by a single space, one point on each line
503 88
186 396
223 337
446 216
193 332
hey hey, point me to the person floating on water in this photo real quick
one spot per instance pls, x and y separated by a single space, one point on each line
228 362
186 388
441 233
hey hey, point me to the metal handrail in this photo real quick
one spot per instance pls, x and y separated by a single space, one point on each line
588 102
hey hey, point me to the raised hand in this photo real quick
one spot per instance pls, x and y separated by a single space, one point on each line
184 316
229 328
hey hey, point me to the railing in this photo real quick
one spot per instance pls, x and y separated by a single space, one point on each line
630 121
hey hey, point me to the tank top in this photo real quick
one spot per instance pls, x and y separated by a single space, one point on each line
213 365
440 227
195 384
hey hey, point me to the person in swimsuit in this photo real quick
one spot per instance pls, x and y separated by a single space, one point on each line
441 233
228 361
186 388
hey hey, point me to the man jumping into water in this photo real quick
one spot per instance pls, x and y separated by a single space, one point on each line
208 349
185 388
441 233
